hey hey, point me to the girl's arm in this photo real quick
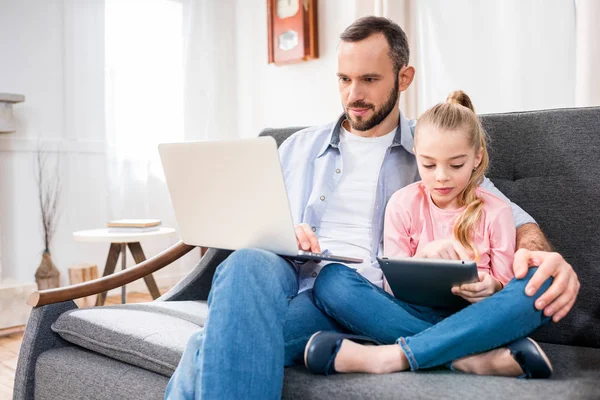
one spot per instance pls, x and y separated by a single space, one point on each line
502 250
502 246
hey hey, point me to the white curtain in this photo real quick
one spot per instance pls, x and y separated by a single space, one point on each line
209 69
507 55
587 67
169 79
144 102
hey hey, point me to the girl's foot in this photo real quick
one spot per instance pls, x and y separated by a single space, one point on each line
354 357
521 358
497 362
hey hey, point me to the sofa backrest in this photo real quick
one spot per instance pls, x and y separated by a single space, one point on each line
547 162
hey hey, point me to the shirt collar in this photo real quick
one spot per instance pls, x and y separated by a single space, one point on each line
403 136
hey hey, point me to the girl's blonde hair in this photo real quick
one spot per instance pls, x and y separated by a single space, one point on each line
458 113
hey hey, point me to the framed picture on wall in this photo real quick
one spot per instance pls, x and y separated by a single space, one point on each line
292 31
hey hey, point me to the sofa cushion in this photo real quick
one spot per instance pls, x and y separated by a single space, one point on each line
576 376
59 375
73 373
149 335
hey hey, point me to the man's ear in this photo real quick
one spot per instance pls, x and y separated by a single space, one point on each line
405 77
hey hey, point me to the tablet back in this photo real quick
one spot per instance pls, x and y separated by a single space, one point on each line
427 281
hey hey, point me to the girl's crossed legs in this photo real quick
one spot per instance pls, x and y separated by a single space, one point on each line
421 337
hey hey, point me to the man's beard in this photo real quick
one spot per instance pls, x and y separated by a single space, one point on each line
364 125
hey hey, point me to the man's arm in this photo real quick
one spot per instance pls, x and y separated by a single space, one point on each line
531 237
534 250
520 216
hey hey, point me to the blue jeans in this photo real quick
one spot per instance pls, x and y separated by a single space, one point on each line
428 337
257 324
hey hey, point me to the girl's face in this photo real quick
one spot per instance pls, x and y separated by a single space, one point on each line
446 161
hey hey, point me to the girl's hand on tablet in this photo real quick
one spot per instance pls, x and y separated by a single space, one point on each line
447 249
474 292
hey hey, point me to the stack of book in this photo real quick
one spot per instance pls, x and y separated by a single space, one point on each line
133 225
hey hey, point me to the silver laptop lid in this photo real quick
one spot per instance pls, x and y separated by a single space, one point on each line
229 194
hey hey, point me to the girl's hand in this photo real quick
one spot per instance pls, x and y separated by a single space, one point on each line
447 249
474 292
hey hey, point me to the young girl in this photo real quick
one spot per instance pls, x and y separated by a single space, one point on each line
448 209
446 214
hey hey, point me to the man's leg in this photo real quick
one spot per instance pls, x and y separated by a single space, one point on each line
303 320
240 352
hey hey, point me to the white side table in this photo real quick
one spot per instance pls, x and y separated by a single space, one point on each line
118 245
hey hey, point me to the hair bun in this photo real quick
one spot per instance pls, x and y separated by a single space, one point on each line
460 97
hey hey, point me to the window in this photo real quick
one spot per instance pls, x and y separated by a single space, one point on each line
144 78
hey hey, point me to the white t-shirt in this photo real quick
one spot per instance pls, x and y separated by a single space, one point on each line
346 225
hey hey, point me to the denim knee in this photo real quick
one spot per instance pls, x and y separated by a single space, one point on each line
256 265
332 285
519 285
249 261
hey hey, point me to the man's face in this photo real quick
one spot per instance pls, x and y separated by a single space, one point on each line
367 81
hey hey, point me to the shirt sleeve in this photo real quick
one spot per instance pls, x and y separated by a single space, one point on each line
502 246
520 216
396 231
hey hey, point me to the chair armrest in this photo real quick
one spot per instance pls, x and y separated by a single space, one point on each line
197 283
153 264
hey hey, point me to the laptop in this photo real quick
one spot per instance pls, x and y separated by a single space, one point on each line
427 281
231 195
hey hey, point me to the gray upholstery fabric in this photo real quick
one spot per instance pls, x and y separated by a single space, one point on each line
37 339
76 374
196 284
547 162
149 335
576 376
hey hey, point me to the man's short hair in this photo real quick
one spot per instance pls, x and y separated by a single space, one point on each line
396 38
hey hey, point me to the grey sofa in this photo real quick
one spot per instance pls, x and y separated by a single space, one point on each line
546 161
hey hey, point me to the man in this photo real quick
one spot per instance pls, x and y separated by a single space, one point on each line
261 306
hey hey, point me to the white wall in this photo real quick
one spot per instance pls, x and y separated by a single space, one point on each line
52 52
292 95
508 57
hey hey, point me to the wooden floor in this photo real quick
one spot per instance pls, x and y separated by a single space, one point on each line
10 342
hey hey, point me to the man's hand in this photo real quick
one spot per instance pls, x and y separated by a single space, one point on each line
307 240
474 292
448 249
558 300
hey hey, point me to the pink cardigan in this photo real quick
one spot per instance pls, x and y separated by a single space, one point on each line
412 220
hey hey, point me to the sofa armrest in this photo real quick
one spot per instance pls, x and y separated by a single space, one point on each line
38 338
197 283
106 283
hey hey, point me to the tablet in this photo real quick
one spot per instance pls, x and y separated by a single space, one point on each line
428 281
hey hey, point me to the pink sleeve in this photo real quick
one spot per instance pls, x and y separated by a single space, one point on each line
396 230
503 238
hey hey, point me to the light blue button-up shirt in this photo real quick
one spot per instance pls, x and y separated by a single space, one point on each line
312 168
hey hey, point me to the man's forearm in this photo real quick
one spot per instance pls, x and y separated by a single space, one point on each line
531 237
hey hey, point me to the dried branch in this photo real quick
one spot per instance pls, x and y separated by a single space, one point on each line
49 189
